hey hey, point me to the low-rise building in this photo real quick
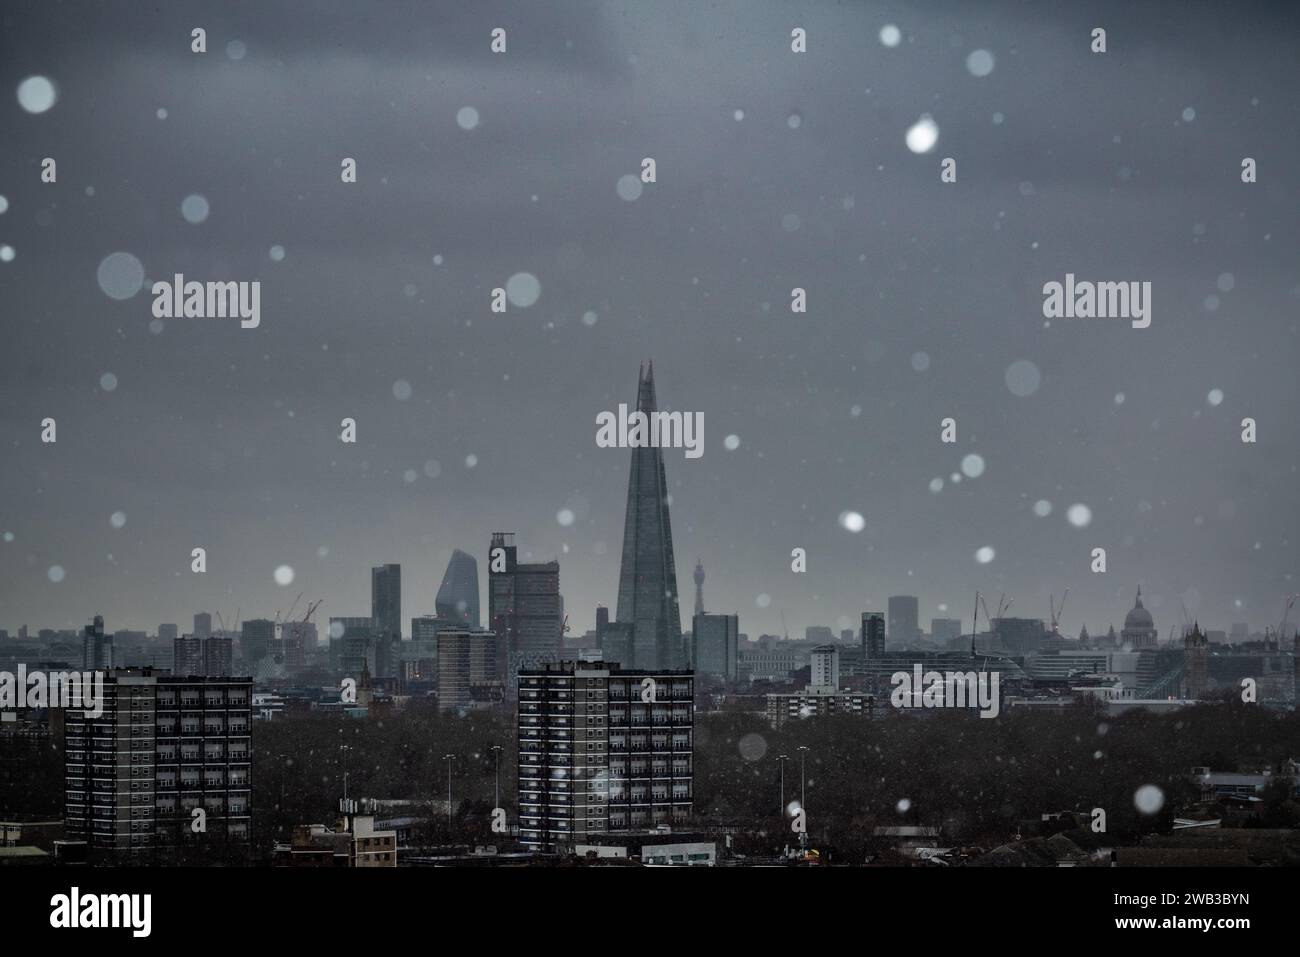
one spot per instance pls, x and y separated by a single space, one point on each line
354 841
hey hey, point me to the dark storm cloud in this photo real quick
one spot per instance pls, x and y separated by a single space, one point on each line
228 438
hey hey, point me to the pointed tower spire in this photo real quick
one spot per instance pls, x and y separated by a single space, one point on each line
647 581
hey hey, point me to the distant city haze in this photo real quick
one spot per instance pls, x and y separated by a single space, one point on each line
774 171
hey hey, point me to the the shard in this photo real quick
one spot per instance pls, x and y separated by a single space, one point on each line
647 581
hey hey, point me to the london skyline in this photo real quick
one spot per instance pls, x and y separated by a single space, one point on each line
924 301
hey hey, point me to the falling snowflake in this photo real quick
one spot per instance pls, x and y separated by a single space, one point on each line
523 289
753 746
120 275
852 521
923 134
36 94
980 63
1023 378
1149 799
628 187
1079 515
195 208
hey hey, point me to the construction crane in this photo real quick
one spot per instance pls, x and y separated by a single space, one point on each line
1286 613
311 609
1057 609
288 615
1003 604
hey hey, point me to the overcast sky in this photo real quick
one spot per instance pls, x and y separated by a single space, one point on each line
775 170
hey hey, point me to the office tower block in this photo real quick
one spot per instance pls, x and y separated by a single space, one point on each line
352 641
202 625
873 635
163 747
200 657
715 641
818 633
467 668
699 587
523 608
297 638
168 633
256 641
846 636
424 627
647 581
602 623
187 656
945 630
219 656
386 599
457 600
1019 636
96 647
904 618
602 750
825 668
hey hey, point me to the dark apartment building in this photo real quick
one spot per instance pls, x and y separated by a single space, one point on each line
602 750
164 748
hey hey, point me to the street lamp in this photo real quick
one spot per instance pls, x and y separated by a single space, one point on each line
344 749
781 759
803 806
449 757
496 750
